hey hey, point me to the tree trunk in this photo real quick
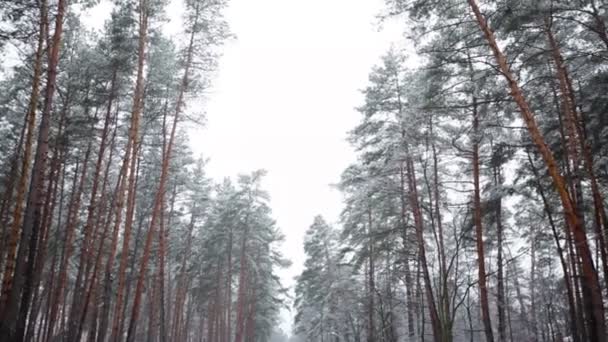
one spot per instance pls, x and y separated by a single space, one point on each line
500 299
229 289
181 288
34 207
590 282
49 210
409 286
577 135
481 262
567 279
132 161
72 222
162 184
371 328
7 280
418 222
7 196
92 282
242 293
118 208
85 252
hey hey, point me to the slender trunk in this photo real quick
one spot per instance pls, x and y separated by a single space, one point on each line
500 299
371 328
152 332
575 276
90 289
49 322
250 325
7 280
132 160
409 286
161 273
577 133
49 210
444 273
229 289
71 226
181 288
213 306
419 224
118 209
161 242
169 316
242 293
72 222
7 196
481 262
36 268
133 252
570 174
533 310
162 184
570 293
34 207
590 281
201 327
85 251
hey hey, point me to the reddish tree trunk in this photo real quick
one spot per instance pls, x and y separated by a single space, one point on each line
242 294
72 222
7 196
91 287
34 207
419 224
500 286
181 287
49 210
567 279
577 136
161 187
133 138
481 263
590 282
85 251
7 280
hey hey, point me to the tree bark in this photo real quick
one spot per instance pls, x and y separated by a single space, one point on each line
590 282
577 135
181 288
34 207
567 279
409 286
7 280
500 286
481 259
162 184
85 251
132 160
419 224
371 327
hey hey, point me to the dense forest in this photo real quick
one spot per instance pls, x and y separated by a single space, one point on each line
474 211
111 230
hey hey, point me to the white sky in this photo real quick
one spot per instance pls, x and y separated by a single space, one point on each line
283 100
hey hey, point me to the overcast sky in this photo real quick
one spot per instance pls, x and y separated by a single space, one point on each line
284 99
